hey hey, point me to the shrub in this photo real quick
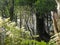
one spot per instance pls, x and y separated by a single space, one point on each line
13 35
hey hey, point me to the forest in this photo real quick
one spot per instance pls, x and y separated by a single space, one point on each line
29 22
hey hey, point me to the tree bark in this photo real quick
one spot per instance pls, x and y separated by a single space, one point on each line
11 11
41 29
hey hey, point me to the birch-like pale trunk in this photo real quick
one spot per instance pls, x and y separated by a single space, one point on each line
55 26
58 7
56 22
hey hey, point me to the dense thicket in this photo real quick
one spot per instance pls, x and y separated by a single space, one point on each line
8 8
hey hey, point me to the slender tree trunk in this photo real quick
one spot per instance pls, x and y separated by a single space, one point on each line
11 11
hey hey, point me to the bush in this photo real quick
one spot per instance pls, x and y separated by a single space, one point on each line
33 42
13 35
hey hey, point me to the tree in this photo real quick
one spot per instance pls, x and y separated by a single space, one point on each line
11 10
43 7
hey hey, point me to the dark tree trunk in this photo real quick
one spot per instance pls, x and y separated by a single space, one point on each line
41 29
11 11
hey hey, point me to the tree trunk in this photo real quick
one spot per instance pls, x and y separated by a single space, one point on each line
41 29
11 11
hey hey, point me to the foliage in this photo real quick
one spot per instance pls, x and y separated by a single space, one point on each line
41 6
13 33
33 42
45 6
16 36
